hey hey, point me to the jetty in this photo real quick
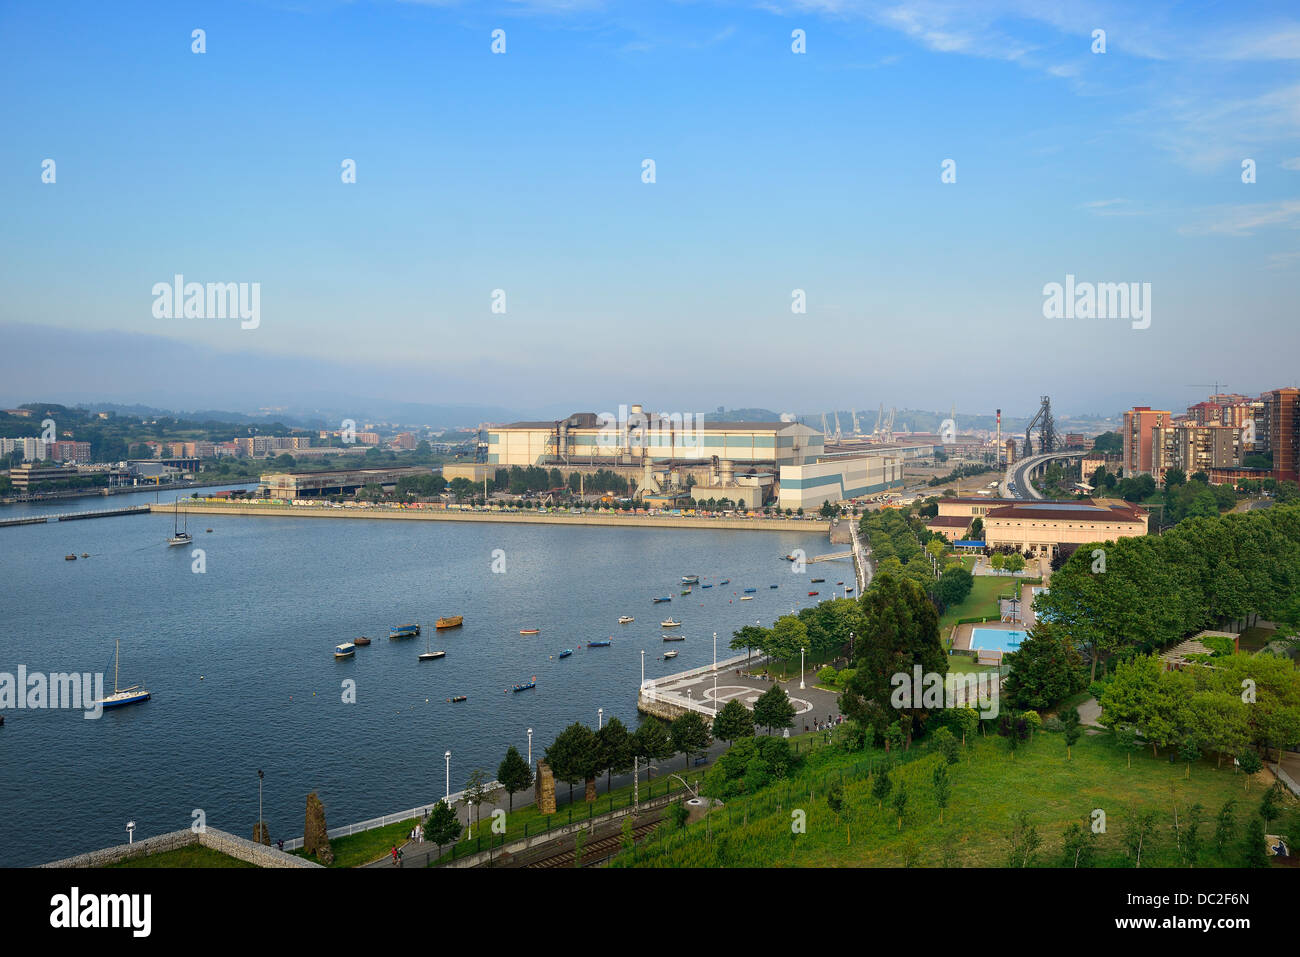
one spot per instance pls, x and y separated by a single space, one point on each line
77 516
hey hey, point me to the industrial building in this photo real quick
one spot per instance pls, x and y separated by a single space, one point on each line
635 437
291 485
839 477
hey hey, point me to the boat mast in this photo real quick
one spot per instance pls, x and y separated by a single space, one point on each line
117 650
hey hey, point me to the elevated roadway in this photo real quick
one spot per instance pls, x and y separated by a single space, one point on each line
1016 482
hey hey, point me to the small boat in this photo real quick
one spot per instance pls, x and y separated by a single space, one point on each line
69 558
85 554
345 650
404 631
818 580
706 586
773 586
122 696
180 536
625 619
811 593
848 588
690 579
431 655
839 583
686 591
458 697
670 654
725 581
746 597
363 641
789 558
750 591
565 653
207 530
529 631
454 621
658 600
669 623
525 686
673 637
602 643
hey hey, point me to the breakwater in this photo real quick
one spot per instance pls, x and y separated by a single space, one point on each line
616 519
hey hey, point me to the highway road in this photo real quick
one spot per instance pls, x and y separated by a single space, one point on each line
1016 483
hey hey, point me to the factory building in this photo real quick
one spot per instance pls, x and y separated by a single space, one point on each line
291 485
635 437
836 478
1039 527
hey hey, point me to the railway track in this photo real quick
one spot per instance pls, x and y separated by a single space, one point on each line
595 852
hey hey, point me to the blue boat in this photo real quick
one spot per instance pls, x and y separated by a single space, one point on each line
706 586
750 591
603 643
404 631
122 696
725 581
525 686
658 600
566 652
690 579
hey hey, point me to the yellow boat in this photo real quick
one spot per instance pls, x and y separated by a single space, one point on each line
455 621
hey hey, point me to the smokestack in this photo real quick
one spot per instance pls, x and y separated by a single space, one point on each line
999 436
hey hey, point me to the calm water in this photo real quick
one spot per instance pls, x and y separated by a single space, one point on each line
239 659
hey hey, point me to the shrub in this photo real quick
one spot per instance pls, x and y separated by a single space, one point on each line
828 675
1250 762
1033 720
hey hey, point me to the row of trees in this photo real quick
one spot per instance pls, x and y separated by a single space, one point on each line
1140 594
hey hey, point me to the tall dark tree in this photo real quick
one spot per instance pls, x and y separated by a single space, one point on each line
904 630
613 749
689 734
514 774
651 742
773 709
572 755
733 721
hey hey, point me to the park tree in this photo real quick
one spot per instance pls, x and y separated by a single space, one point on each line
880 785
1079 847
443 826
749 637
689 734
514 774
904 630
733 721
1023 840
613 749
942 787
651 742
572 756
774 709
899 802
788 635
1139 827
1225 824
1046 668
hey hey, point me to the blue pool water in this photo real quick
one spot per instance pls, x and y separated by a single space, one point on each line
996 639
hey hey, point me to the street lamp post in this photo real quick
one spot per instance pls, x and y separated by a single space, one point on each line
600 718
801 688
643 667
448 795
715 674
530 747
130 832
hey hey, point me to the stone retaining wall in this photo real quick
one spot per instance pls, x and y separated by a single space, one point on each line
220 841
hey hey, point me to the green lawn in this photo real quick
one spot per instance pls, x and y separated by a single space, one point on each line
195 855
366 846
988 786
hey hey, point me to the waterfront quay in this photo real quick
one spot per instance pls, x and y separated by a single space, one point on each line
554 517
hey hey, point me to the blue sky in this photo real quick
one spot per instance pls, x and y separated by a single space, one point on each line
775 171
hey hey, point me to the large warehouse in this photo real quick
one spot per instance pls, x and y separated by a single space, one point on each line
839 477
634 437
1039 527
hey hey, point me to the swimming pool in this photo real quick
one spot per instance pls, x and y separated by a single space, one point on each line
996 639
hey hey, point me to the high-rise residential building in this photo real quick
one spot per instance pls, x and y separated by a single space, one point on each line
1283 419
69 451
1138 423
1194 448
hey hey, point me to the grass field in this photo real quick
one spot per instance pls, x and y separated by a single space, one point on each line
988 787
196 855
366 846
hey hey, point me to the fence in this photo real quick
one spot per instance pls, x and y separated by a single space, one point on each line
408 815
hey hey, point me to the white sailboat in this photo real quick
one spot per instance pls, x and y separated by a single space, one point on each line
121 696
179 536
